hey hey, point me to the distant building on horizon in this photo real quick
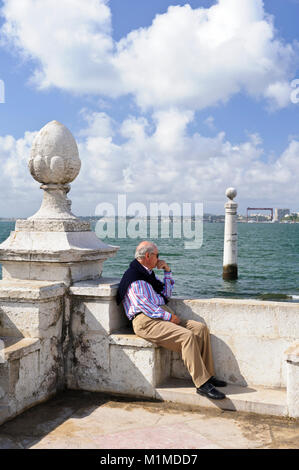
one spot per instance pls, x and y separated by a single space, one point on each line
279 214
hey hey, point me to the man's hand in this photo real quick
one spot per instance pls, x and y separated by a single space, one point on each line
175 319
161 264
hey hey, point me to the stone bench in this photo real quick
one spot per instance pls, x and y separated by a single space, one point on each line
120 363
138 366
107 355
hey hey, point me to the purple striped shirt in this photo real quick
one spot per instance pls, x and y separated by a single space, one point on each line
141 297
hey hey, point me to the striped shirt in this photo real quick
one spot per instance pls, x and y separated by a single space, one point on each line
141 297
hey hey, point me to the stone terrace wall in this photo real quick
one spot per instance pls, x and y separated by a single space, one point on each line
249 338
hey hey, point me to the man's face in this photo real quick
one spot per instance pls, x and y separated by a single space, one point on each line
152 259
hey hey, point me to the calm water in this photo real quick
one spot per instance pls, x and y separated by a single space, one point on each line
268 261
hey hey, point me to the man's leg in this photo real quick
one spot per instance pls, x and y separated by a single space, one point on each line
175 338
202 335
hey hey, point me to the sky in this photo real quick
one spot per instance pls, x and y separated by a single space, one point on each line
169 101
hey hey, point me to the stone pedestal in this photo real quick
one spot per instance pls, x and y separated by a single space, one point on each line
230 252
40 260
53 244
53 250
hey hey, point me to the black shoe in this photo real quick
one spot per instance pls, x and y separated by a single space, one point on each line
216 382
208 390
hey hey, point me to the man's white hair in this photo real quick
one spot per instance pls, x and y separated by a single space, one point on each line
144 248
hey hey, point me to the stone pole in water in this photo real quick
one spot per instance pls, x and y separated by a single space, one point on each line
230 253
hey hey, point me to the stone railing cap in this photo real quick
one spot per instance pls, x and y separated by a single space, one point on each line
102 287
30 289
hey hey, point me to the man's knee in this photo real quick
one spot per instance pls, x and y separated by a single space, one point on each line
188 336
197 327
204 331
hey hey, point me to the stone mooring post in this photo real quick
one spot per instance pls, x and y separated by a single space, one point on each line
230 252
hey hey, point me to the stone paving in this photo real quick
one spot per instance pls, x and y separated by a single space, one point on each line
85 420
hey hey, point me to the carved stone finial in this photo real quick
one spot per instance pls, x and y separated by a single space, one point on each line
54 162
231 193
54 155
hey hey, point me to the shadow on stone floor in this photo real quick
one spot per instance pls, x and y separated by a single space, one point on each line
59 423
27 429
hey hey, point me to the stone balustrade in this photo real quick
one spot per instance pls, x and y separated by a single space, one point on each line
80 339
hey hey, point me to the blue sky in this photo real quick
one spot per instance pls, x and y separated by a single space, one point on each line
168 108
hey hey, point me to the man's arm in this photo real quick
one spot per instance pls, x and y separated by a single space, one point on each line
168 286
168 279
142 295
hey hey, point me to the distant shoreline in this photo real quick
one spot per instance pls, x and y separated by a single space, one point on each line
207 219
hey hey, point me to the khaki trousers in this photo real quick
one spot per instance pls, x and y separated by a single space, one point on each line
190 338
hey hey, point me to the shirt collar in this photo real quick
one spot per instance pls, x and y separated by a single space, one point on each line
148 270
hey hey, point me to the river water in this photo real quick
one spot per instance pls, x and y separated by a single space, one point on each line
268 261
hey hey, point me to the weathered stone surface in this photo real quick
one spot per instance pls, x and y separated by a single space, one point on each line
292 353
31 324
292 365
67 273
54 161
94 307
98 354
15 347
249 337
48 225
103 287
41 321
53 244
30 373
132 370
31 309
103 359
54 256
30 290
54 155
101 317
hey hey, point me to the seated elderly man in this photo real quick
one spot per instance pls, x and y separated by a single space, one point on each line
144 298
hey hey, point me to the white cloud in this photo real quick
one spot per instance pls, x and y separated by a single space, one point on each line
14 154
188 58
69 40
139 161
279 94
194 58
160 161
16 183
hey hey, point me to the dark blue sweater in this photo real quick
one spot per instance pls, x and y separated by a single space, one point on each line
136 272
